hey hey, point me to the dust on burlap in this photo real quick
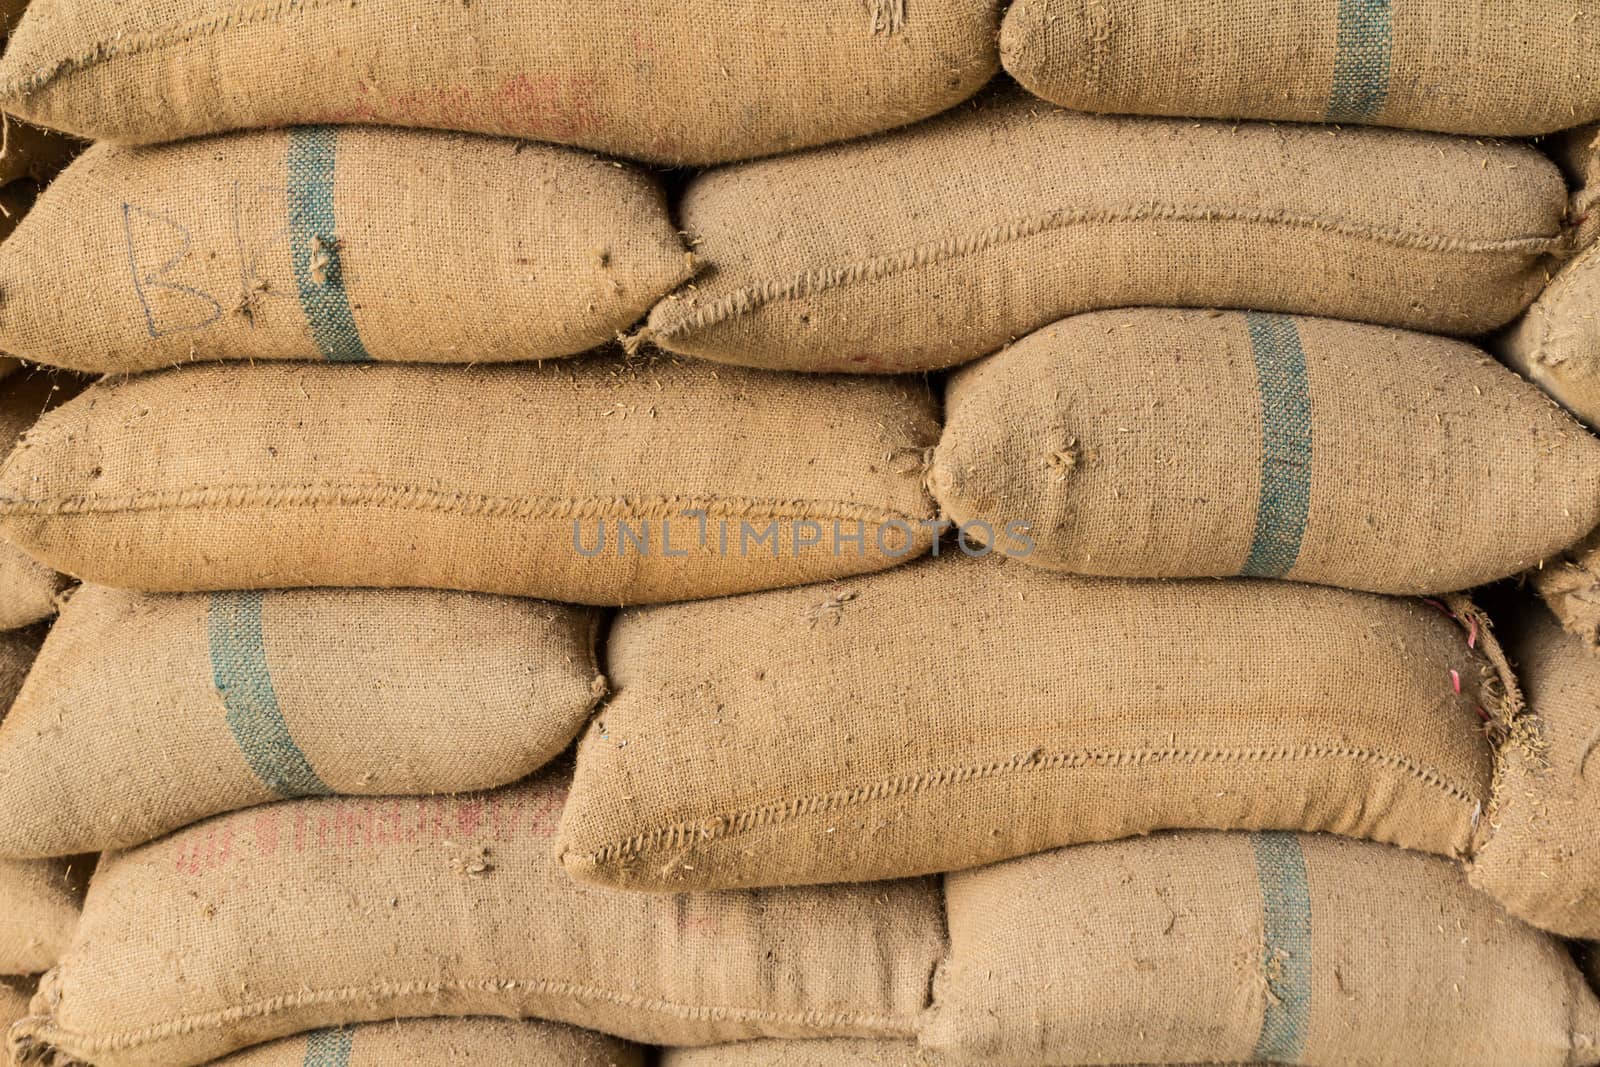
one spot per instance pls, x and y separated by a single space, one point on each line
1280 447
334 244
1541 857
1190 948
147 712
657 80
316 913
514 479
938 244
957 712
444 1042
1499 68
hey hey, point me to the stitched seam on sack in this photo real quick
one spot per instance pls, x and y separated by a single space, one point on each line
748 299
161 39
268 1006
419 499
682 834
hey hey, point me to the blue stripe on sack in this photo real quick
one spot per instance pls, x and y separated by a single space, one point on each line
329 1048
1285 502
1361 65
1286 948
314 244
239 671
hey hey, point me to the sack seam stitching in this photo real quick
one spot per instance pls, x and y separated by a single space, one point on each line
417 498
749 299
684 833
47 1031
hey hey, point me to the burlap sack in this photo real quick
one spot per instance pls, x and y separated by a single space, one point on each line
672 82
837 1053
1570 585
441 1042
1279 447
601 482
38 900
14 996
28 591
1542 855
937 245
145 713
957 712
1190 948
334 244
1556 344
318 913
1493 67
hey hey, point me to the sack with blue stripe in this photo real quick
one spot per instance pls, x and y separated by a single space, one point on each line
1153 443
1226 948
144 713
340 245
1478 67
440 1042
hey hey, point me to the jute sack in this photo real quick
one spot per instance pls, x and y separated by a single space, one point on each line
672 82
957 712
1542 854
317 913
38 899
836 1053
1190 948
144 713
938 244
441 1042
1556 344
1281 447
326 243
28 590
1570 585
14 996
600 482
1485 67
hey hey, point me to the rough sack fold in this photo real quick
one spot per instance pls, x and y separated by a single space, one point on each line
28 591
1191 948
599 481
454 906
38 898
958 712
443 1043
1478 67
1542 855
334 244
1156 443
249 697
936 245
663 80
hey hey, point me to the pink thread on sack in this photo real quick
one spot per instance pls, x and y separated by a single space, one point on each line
1455 681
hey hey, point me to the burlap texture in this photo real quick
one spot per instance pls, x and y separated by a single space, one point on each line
1494 67
28 591
1556 344
316 913
836 1053
442 1042
938 244
1570 585
334 244
1542 855
14 996
957 712
38 899
494 479
144 713
1161 443
1191 948
672 82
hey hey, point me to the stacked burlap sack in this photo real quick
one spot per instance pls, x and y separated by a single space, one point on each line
906 747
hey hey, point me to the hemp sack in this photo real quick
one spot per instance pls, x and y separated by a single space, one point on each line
480 1042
